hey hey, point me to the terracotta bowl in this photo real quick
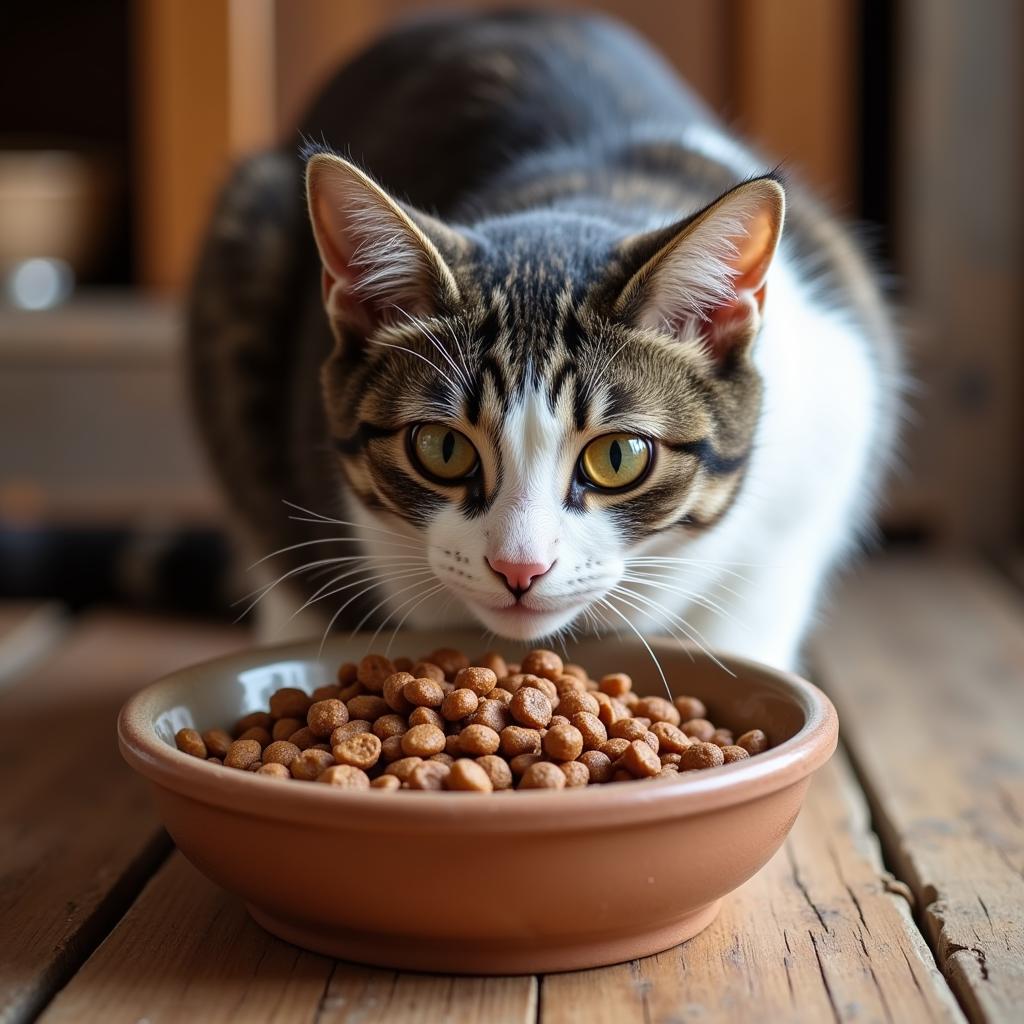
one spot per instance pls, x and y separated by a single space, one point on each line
467 884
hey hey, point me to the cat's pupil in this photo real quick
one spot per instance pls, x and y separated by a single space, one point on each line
615 455
448 446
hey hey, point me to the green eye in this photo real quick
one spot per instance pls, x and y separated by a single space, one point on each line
615 461
443 453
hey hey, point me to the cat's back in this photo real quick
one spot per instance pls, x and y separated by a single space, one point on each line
442 103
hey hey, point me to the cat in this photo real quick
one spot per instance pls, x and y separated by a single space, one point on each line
552 352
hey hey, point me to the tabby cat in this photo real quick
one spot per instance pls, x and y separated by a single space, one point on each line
558 354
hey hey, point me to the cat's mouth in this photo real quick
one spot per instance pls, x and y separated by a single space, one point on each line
523 621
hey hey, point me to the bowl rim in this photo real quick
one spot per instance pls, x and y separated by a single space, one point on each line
586 807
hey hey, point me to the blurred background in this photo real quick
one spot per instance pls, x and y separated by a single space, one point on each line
119 118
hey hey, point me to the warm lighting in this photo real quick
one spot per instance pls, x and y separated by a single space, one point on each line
39 283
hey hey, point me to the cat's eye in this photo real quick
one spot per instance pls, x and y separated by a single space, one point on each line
615 461
443 453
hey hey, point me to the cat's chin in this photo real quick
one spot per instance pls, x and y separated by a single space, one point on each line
519 623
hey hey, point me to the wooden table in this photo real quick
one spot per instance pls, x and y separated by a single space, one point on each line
899 895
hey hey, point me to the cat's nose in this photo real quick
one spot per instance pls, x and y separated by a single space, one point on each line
519 576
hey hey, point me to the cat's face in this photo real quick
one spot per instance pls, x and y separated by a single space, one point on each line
533 399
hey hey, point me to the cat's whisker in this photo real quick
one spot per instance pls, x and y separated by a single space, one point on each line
436 342
701 600
319 540
373 611
645 573
401 571
458 347
657 664
412 352
692 634
416 600
670 563
318 517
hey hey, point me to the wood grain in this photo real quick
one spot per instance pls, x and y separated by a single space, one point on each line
926 663
77 836
820 934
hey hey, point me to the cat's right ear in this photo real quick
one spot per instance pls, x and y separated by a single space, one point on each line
382 260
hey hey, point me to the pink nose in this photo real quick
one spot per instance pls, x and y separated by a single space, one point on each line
518 575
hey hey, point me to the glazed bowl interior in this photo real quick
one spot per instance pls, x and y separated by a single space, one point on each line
687 840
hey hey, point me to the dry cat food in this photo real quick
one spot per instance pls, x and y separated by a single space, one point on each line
444 723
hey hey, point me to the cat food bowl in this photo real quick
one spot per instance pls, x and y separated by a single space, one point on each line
531 881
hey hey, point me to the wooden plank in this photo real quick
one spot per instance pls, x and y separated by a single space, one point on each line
926 663
78 835
28 630
184 927
820 934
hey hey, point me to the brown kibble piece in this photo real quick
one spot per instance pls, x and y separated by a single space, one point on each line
732 753
640 760
689 708
403 664
325 716
344 776
215 760
429 670
478 741
468 776
373 670
310 763
498 770
491 713
621 775
657 709
572 669
576 774
615 684
449 661
368 706
284 727
390 725
328 692
563 743
500 694
545 686
545 664
521 762
458 704
256 720
303 738
403 767
478 679
698 729
189 741
495 662
627 729
615 748
280 752
347 673
671 738
754 741
701 755
391 749
386 782
423 740
243 753
543 775
530 707
572 702
393 693
360 751
217 742
429 775
290 702
598 764
669 759
652 741
275 770
563 683
722 738
517 740
426 716
423 693
351 728
258 733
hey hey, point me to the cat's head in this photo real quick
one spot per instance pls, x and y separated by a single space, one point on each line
535 396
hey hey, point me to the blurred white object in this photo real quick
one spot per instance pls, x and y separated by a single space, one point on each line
39 283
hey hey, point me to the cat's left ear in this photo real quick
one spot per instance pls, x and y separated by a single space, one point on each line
707 276
381 258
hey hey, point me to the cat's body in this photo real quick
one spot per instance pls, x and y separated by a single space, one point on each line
570 162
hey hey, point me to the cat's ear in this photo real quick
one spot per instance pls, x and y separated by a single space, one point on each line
381 259
706 277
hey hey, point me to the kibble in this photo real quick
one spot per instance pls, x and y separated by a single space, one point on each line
445 723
